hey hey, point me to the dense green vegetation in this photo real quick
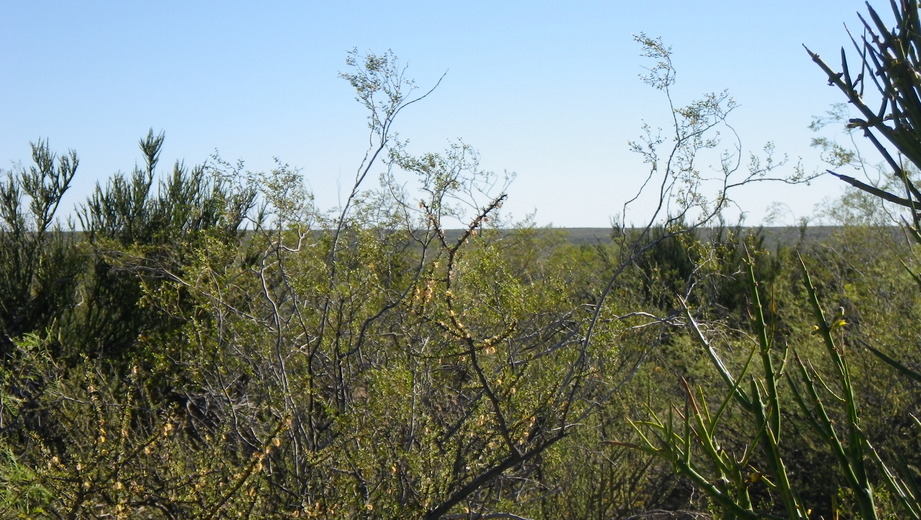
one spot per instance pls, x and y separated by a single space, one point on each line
209 344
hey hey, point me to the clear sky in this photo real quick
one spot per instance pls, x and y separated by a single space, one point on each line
549 90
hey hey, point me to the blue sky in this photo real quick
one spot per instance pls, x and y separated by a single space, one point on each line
548 90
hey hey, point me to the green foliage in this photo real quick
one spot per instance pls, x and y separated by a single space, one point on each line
212 345
39 264
139 238
732 462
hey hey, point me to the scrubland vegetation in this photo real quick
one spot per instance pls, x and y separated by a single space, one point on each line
206 343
